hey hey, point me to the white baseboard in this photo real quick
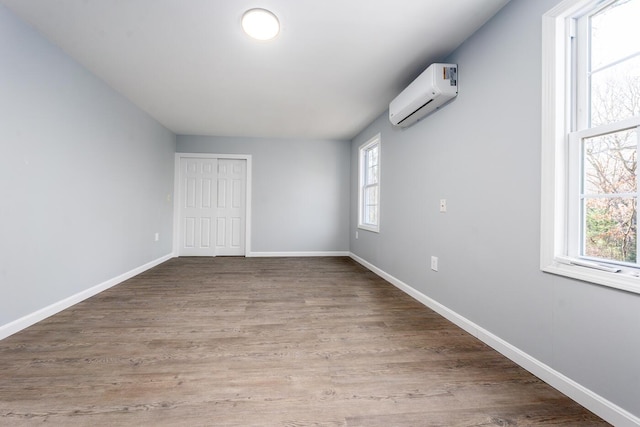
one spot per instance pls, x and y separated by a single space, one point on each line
37 316
597 404
298 254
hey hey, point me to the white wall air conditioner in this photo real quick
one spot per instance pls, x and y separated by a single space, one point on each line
436 86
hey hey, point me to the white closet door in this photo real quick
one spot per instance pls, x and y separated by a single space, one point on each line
231 205
198 206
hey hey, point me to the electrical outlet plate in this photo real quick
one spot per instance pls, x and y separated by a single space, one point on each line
434 263
443 205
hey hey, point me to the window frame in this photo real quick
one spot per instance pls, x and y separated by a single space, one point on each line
557 172
363 185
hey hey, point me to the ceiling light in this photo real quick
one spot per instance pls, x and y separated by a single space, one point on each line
260 24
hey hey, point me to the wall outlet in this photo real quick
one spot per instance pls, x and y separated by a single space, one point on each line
443 205
356 235
434 263
157 236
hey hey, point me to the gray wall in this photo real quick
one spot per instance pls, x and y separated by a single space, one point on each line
84 177
482 153
300 199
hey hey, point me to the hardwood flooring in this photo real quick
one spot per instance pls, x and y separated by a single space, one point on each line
264 342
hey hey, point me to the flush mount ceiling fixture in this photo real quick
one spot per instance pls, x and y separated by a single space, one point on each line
260 24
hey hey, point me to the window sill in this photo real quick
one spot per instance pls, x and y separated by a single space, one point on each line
369 228
625 280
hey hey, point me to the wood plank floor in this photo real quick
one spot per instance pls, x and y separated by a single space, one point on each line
264 342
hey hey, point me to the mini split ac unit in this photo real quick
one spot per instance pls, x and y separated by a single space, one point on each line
436 86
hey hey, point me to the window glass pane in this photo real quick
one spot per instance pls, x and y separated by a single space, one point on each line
371 195
371 215
615 92
372 175
610 228
372 156
615 33
610 163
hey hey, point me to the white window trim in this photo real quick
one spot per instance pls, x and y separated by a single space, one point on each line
373 141
554 175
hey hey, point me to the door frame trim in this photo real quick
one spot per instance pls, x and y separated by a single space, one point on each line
177 194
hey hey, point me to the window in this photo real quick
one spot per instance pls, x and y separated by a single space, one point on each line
591 122
369 185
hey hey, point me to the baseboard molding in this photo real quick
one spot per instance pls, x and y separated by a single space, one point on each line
298 254
597 404
37 316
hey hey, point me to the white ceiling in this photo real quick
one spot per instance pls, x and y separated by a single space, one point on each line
334 67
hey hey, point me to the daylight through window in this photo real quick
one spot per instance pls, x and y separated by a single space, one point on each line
369 183
591 120
607 76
